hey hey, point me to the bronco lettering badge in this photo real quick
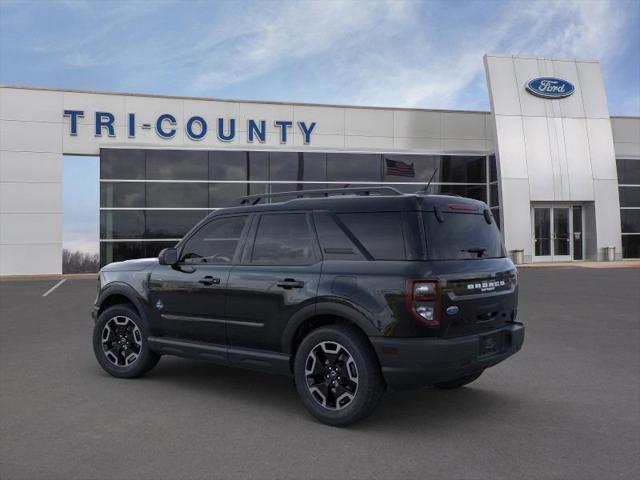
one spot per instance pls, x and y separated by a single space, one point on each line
486 286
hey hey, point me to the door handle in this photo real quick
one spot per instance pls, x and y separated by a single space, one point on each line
209 280
288 283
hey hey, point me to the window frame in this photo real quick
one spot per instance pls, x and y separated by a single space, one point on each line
247 251
207 221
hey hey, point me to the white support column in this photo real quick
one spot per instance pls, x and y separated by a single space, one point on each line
30 182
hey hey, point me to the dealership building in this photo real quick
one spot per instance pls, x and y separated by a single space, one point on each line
561 176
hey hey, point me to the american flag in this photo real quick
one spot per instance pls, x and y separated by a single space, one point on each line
399 168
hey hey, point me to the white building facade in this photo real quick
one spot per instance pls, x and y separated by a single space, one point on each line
561 176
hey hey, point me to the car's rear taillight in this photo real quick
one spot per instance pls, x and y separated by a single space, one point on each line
423 300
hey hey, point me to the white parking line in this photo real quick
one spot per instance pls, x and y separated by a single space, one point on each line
54 287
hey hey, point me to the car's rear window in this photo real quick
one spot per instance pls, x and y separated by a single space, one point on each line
462 236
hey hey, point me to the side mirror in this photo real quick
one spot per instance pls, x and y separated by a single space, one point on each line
168 256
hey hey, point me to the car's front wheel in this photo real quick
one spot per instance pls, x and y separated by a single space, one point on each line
120 343
337 375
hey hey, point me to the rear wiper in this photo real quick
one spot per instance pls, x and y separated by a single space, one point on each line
479 250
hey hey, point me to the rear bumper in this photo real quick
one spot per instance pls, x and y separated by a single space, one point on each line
415 362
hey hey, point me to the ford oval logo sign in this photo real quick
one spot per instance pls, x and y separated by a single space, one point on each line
550 87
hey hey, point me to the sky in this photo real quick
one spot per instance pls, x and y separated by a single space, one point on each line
397 53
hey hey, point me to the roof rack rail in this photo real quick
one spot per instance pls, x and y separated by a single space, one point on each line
448 194
325 192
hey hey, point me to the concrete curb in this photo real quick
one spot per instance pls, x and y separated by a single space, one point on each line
68 276
616 264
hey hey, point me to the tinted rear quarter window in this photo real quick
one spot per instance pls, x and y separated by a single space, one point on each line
462 236
380 233
334 242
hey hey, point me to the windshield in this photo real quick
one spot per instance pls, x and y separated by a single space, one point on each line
462 236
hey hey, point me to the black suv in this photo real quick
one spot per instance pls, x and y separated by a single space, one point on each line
349 291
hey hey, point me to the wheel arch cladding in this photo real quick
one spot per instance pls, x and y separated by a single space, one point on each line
118 295
304 327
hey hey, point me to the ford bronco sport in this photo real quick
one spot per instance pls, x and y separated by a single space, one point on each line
348 291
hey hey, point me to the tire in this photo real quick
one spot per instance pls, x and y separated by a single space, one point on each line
347 388
459 382
121 328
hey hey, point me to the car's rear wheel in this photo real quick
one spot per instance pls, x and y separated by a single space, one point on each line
337 375
120 343
459 382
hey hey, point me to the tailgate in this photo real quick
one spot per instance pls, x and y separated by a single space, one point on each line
473 303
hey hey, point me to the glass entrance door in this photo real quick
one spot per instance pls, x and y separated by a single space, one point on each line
542 233
577 232
561 234
557 233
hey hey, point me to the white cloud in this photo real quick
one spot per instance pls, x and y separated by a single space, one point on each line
389 54
395 53
556 29
277 37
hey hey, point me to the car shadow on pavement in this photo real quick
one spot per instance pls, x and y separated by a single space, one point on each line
404 410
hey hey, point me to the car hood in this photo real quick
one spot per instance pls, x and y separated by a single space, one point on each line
136 265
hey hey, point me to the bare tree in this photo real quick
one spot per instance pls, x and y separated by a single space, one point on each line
79 262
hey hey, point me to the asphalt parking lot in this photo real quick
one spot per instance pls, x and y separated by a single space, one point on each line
567 406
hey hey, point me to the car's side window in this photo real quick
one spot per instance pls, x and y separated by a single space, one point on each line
381 233
214 243
283 239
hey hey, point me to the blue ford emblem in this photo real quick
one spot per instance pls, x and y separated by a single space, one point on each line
452 310
550 87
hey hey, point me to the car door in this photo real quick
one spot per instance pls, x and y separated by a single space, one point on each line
189 297
278 275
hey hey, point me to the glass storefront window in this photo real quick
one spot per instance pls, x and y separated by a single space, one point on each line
121 224
629 196
493 195
493 168
354 167
171 223
496 215
228 165
315 166
119 251
258 173
128 195
409 168
236 165
628 171
630 221
630 246
177 195
462 169
148 224
222 194
177 165
123 164
258 166
294 187
286 166
409 188
478 192
291 166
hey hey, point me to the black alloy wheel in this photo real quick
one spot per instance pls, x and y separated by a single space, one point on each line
120 342
337 374
332 375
